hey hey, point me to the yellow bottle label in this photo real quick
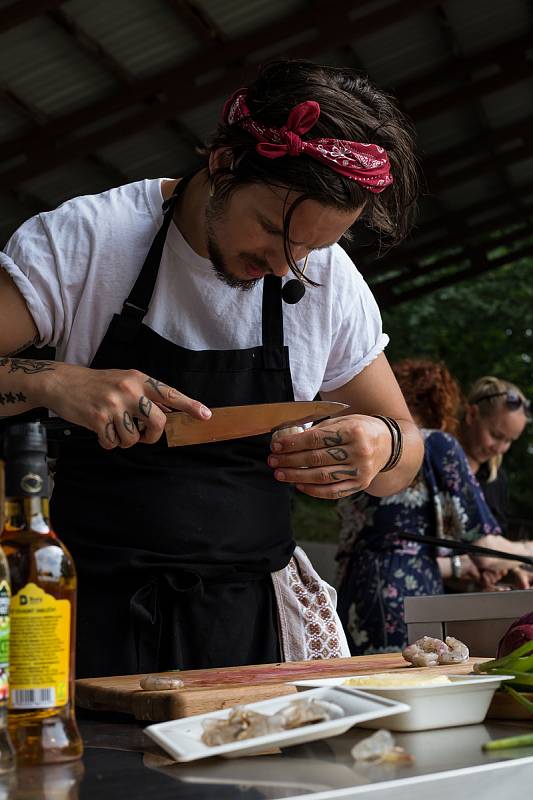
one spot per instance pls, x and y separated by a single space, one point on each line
4 640
40 649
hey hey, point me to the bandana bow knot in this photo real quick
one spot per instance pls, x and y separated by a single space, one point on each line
368 164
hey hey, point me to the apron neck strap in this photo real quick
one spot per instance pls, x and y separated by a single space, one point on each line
138 301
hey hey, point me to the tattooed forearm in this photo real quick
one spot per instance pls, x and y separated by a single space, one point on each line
10 397
333 438
156 386
341 474
22 347
110 432
338 453
27 365
145 406
128 422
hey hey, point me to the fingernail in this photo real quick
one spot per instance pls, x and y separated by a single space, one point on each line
205 412
273 461
280 475
275 446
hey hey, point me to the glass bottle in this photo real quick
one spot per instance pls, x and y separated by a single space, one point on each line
7 755
42 721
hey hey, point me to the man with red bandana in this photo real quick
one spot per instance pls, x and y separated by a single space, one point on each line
166 294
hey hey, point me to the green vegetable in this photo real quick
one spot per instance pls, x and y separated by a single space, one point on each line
518 663
524 740
519 698
517 660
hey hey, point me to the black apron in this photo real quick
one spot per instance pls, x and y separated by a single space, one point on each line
174 546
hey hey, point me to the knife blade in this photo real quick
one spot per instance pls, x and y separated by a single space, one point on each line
237 422
232 422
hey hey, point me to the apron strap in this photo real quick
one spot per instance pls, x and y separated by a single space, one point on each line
274 353
137 303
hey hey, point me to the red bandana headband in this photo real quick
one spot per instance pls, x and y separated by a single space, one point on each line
368 164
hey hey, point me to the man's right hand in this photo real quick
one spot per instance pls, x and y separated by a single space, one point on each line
122 407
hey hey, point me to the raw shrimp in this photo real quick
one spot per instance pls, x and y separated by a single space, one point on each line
429 652
457 653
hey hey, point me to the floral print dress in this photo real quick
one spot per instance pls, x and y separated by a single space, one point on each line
377 569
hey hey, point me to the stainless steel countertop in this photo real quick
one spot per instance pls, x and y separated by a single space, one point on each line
121 762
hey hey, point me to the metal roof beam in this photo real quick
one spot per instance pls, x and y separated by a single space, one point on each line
479 268
197 20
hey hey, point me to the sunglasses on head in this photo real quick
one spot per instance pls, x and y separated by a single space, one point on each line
513 401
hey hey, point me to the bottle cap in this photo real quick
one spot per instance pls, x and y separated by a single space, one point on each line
29 437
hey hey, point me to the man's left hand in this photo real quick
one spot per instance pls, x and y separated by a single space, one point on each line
334 458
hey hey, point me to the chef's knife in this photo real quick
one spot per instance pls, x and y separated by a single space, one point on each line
232 422
236 422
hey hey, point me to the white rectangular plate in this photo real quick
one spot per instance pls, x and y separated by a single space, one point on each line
182 737
463 701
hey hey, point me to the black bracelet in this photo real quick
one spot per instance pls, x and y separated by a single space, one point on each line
396 442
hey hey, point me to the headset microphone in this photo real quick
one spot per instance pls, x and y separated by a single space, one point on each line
294 290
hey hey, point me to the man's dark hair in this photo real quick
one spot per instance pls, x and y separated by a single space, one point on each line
350 108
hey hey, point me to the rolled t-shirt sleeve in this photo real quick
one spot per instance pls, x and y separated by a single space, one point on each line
358 337
29 260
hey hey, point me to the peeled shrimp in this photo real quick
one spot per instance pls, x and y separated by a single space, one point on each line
287 432
429 652
457 653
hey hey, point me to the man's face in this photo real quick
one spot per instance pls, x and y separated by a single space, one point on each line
245 232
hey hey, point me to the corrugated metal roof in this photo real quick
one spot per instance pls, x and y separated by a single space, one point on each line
236 19
149 154
477 24
145 36
39 62
115 46
412 46
509 105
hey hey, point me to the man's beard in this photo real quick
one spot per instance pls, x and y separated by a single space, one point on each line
214 212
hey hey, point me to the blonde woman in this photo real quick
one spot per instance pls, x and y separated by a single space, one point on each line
494 416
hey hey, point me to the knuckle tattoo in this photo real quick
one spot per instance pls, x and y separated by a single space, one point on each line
145 406
338 453
128 423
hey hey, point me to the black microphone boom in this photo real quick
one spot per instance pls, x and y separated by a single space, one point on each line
293 291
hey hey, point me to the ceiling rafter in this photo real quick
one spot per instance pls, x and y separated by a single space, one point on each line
468 252
460 222
198 21
90 46
474 271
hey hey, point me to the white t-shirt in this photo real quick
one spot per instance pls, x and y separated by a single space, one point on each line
76 265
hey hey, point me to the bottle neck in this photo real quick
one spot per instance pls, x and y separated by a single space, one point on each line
27 513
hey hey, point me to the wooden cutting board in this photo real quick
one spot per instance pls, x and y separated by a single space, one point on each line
211 689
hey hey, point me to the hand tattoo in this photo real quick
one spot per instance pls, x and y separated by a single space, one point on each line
9 397
110 432
27 365
338 474
338 453
155 386
145 406
335 438
128 422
